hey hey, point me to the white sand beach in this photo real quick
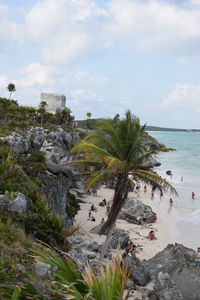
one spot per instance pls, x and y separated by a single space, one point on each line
164 227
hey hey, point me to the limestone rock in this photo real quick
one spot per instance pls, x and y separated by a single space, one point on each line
4 202
119 238
42 269
165 289
135 209
179 262
139 275
19 143
19 204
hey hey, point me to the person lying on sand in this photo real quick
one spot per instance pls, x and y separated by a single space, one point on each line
151 236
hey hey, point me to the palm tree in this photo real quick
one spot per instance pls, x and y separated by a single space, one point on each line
89 115
42 110
11 88
116 150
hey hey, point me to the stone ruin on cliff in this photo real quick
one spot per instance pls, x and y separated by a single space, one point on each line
55 102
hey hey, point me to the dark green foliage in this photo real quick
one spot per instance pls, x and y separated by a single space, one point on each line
34 164
19 118
42 223
73 206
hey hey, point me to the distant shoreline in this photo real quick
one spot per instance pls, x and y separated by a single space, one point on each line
154 128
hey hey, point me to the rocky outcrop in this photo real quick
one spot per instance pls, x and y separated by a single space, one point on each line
120 238
18 204
133 210
165 289
56 146
139 275
179 262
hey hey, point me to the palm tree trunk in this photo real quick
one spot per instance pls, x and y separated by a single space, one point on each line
120 196
10 95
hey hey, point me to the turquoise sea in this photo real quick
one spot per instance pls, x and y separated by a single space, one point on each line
185 161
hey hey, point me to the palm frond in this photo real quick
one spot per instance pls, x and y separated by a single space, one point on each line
86 147
154 179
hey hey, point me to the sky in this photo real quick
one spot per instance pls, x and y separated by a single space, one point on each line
106 56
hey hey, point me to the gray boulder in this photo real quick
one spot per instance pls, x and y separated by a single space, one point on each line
179 262
139 275
119 238
4 202
19 204
165 289
169 260
94 246
59 168
135 209
42 269
19 143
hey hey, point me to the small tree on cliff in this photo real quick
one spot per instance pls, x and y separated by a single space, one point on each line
11 88
116 150
89 115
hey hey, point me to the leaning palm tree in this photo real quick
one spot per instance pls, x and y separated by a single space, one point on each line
117 150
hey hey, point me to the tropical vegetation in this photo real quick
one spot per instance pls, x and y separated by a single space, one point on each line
68 281
116 150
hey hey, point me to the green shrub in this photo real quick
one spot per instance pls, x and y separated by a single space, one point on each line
73 206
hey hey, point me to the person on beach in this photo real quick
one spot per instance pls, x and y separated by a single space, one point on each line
193 195
93 219
88 192
171 202
102 221
138 186
181 178
108 208
145 189
151 236
93 208
154 218
104 201
134 250
144 219
198 257
89 216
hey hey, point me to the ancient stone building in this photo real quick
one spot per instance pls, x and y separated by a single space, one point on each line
55 102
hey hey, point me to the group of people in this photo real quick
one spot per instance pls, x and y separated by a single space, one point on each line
130 249
90 215
94 209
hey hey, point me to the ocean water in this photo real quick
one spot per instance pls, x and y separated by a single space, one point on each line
185 161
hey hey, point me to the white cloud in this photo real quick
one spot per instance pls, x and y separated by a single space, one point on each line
11 32
36 74
154 24
87 78
82 96
184 96
65 30
68 31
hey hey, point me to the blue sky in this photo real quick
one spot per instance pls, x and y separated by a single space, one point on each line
106 56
